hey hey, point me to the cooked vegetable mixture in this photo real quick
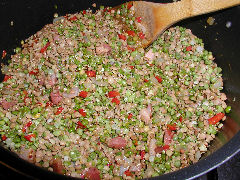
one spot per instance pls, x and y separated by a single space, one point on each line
82 98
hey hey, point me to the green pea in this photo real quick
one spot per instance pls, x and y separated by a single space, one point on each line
168 165
180 135
187 139
100 166
219 109
176 153
15 113
67 163
80 131
128 154
211 130
175 137
71 130
188 114
118 153
2 122
155 174
57 133
228 109
34 110
93 155
1 115
177 163
163 156
84 136
18 50
200 124
213 79
186 83
157 160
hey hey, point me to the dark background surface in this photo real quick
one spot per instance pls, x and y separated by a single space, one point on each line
29 16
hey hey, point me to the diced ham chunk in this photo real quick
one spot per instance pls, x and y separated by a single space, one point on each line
168 135
57 166
41 80
146 113
117 142
159 149
27 154
7 105
56 97
92 174
51 80
73 93
102 49
152 146
150 55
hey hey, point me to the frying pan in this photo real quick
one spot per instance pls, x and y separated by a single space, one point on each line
20 19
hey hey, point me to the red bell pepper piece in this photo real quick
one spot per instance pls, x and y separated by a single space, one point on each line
159 149
82 112
130 115
6 77
91 73
141 35
109 9
145 80
84 12
188 48
34 72
26 96
74 18
4 137
59 110
172 127
113 94
180 119
139 19
80 125
131 33
128 173
25 92
109 164
83 94
130 48
129 5
136 143
40 104
116 101
166 147
216 118
29 137
168 136
121 36
142 154
4 53
26 126
45 47
132 67
159 79
49 104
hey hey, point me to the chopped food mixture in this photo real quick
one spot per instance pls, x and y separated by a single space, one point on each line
82 98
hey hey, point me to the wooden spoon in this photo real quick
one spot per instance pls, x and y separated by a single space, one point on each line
157 17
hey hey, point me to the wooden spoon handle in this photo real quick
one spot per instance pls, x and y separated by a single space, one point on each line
197 7
189 8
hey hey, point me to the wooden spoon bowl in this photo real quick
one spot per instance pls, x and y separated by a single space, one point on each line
157 17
